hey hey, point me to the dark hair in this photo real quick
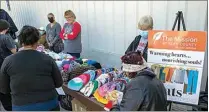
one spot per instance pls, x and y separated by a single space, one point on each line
132 58
29 35
51 14
4 25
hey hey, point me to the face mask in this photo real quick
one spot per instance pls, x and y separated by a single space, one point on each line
51 20
144 34
41 32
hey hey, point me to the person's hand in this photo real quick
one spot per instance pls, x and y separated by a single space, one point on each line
114 103
65 37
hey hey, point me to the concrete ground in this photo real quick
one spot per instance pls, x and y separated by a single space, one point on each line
175 107
2 108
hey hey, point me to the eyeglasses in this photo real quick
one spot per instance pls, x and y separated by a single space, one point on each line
68 17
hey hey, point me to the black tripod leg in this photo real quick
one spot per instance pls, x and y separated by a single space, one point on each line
170 106
183 23
174 25
179 20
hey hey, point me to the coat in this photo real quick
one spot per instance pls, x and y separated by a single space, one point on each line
143 93
134 44
5 16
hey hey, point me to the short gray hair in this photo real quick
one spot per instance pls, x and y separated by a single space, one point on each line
146 22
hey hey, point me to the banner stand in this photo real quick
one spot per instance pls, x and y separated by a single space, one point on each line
179 19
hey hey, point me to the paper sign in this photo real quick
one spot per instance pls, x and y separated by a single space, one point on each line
60 91
177 59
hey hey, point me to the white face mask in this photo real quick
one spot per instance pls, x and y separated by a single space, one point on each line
41 32
144 34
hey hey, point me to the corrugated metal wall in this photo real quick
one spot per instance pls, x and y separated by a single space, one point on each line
108 27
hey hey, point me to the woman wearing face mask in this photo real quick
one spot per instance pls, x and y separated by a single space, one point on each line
52 35
144 92
71 34
140 42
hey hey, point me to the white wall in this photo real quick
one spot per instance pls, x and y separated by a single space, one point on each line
108 27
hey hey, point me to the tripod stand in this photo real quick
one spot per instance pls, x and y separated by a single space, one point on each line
179 17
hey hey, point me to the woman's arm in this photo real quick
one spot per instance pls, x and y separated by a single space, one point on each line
62 33
56 75
4 78
10 45
133 44
58 30
47 35
75 31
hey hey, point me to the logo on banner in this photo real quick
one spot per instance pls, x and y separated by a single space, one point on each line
157 36
183 40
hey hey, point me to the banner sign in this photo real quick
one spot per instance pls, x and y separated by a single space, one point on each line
177 59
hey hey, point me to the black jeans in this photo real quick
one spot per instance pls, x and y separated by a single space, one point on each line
6 101
77 55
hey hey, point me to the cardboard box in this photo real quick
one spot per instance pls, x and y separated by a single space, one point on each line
78 106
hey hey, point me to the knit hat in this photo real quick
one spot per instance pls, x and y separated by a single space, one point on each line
65 62
89 88
73 65
66 67
100 98
107 70
103 78
75 84
92 74
85 78
90 62
108 87
108 106
113 96
133 62
4 25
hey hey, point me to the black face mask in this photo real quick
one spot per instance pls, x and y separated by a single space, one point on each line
51 20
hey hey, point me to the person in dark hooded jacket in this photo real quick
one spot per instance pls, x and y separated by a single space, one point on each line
144 92
13 28
140 43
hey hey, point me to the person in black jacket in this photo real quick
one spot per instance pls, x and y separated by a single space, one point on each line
140 43
31 76
13 28
144 92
